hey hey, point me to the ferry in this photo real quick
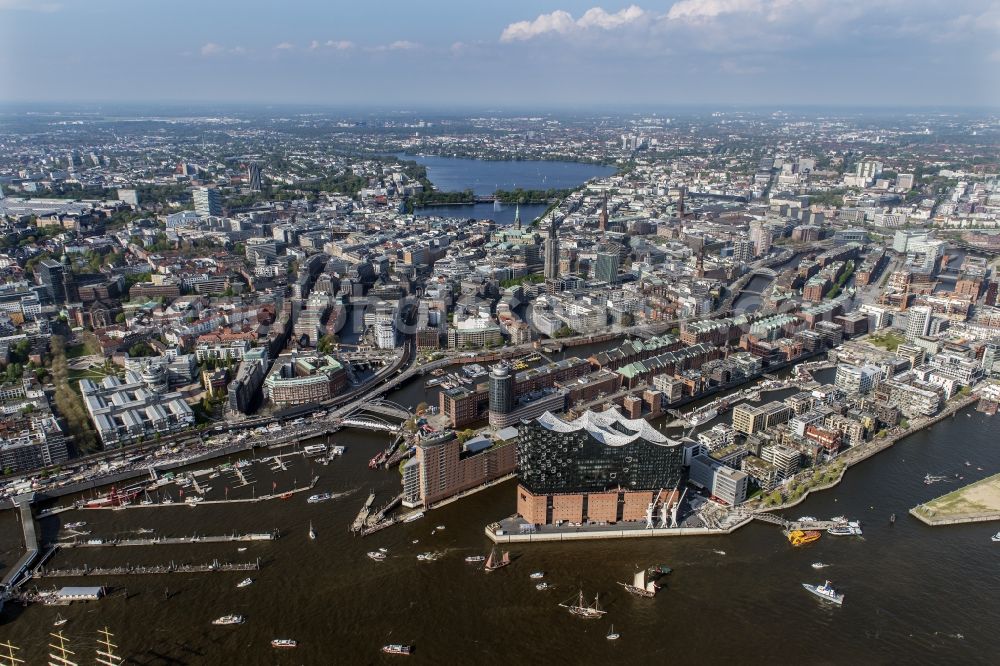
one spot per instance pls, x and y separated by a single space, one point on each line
802 537
228 619
413 516
826 592
284 643
321 497
397 649
314 449
474 559
852 528
376 555
246 582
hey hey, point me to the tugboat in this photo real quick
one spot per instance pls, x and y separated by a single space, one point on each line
826 592
493 562
640 586
284 643
228 619
397 649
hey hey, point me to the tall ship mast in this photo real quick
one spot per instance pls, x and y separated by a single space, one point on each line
591 612
106 650
641 586
8 658
493 562
62 658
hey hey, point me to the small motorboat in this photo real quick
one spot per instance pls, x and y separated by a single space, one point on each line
246 582
284 643
541 587
537 575
241 549
375 555
473 559
397 649
819 565
996 537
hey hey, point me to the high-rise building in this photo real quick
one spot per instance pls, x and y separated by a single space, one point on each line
608 261
762 236
743 251
58 282
600 467
207 201
857 379
552 250
254 177
602 218
918 322
501 389
904 181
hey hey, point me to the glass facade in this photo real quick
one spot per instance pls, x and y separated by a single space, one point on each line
550 461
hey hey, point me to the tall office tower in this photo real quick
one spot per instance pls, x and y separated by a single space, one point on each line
58 281
552 250
207 201
918 321
761 235
608 261
254 177
501 389
743 251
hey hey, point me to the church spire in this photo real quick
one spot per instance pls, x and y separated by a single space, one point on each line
517 217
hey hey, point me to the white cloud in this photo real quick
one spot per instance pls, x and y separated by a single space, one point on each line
313 45
699 10
212 49
562 22
403 45
285 46
341 45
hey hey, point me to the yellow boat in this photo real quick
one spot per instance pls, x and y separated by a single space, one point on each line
802 537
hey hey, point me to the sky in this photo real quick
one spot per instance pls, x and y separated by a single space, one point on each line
514 53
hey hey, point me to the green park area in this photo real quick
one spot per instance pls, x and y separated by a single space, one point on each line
888 340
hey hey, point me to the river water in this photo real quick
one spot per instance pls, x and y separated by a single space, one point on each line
911 590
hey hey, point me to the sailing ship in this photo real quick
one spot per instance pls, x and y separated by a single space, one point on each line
59 621
591 612
641 586
312 532
60 655
493 562
613 635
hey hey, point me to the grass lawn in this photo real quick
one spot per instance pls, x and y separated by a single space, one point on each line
889 340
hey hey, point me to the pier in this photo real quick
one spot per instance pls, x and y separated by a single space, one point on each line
31 544
133 570
359 522
168 541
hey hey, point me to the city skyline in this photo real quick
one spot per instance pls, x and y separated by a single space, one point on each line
519 55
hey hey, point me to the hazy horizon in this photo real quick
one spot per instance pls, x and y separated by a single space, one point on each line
516 55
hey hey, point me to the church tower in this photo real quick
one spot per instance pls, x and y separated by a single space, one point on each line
602 218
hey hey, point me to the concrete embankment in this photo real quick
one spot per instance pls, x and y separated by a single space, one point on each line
604 533
975 503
